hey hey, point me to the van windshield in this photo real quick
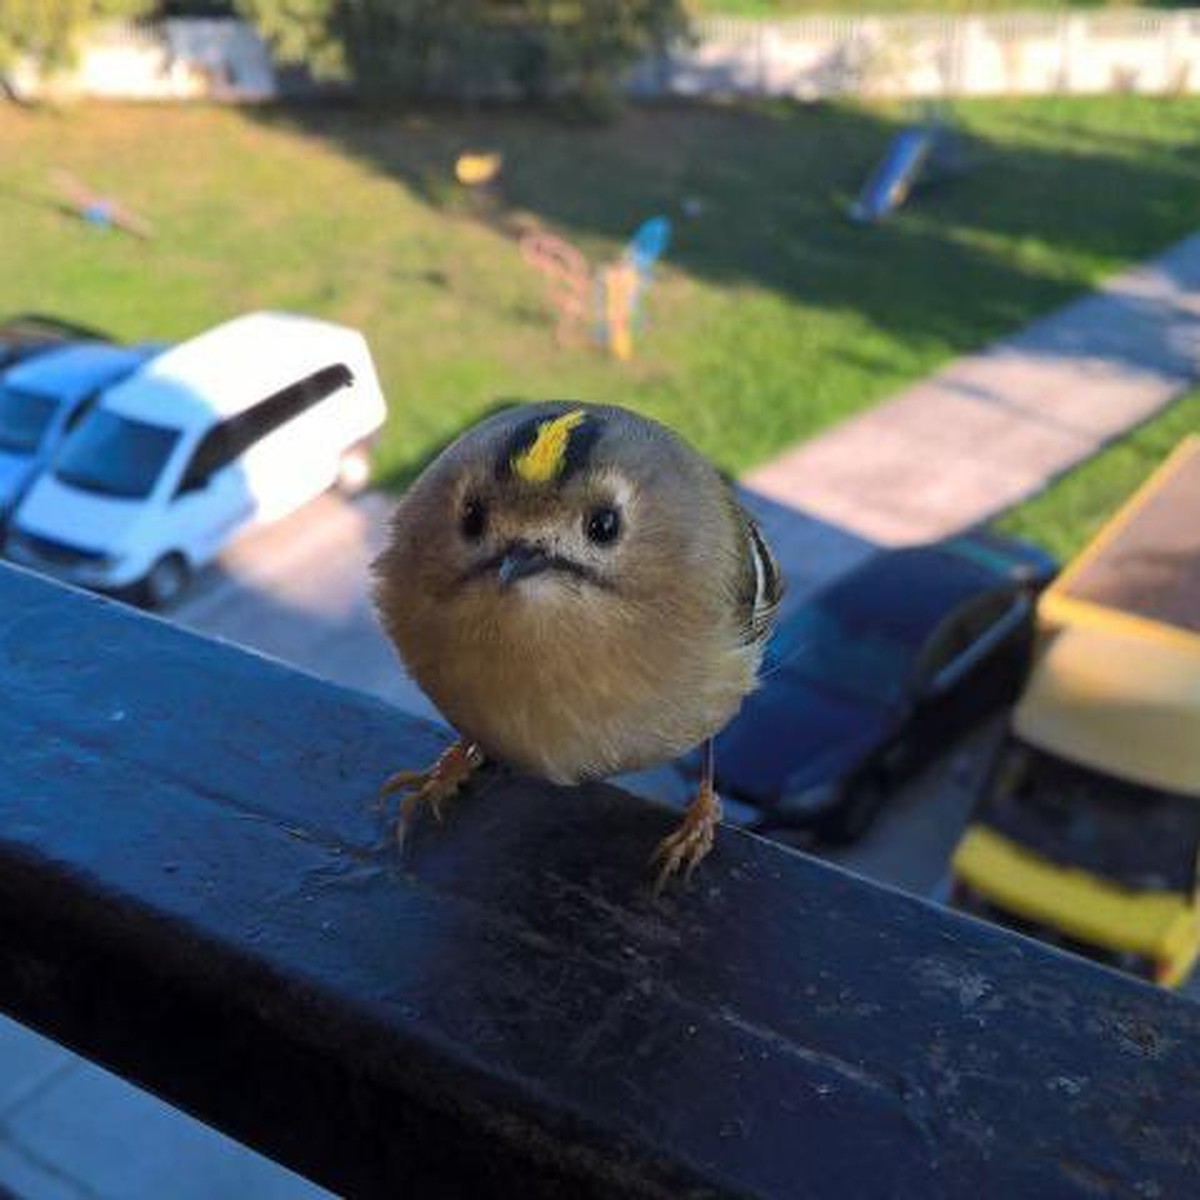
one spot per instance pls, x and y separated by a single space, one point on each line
115 455
1133 835
24 419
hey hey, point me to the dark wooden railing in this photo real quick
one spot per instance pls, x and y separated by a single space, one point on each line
196 891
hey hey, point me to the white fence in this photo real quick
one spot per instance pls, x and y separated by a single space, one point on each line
183 59
1022 53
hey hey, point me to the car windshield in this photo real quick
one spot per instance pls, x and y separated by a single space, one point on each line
1134 835
115 455
824 646
24 419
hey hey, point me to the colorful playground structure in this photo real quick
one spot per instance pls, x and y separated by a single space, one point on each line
918 155
609 298
478 168
104 212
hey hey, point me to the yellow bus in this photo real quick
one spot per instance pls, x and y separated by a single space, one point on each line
1087 833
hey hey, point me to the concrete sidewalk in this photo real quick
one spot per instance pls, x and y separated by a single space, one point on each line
992 428
71 1131
983 432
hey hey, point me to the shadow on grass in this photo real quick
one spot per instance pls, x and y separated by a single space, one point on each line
770 183
757 194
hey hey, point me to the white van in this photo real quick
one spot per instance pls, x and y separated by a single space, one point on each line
237 427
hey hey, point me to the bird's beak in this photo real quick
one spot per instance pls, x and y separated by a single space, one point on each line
521 559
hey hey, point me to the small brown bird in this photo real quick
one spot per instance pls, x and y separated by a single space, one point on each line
580 594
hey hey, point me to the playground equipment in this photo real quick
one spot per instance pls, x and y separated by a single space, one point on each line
920 154
648 244
567 276
613 291
625 282
478 169
101 211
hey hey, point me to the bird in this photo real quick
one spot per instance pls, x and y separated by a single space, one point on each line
580 593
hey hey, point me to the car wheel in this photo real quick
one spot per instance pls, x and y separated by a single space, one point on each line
852 819
165 582
354 471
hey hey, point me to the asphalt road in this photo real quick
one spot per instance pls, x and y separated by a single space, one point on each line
299 592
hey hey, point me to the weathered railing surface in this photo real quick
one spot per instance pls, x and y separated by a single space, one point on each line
196 892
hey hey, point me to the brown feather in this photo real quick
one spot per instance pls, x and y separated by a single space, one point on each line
559 676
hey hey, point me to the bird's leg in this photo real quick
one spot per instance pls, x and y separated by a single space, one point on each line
683 849
434 786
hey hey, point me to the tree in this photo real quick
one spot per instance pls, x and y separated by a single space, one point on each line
594 39
46 32
418 46
301 31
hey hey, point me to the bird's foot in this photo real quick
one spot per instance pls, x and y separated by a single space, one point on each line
686 847
434 786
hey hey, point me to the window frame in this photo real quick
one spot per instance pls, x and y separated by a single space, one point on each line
236 435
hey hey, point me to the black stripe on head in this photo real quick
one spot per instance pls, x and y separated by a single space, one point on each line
580 441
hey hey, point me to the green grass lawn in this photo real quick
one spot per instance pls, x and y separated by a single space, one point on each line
1071 511
772 317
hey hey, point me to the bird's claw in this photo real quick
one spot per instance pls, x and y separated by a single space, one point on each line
404 779
429 788
684 849
432 787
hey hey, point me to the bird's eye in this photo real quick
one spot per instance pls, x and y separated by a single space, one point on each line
603 525
473 521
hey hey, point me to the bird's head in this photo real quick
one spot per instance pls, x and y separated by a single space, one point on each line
552 507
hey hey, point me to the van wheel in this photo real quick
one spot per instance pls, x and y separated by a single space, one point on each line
354 471
165 582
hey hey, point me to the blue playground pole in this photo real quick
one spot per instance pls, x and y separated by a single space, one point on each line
891 181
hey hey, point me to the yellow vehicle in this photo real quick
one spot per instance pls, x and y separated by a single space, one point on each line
1088 831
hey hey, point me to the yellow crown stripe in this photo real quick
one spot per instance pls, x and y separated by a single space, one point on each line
543 460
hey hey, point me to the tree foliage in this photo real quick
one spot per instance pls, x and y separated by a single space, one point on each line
542 47
47 31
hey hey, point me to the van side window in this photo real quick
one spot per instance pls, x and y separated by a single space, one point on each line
283 406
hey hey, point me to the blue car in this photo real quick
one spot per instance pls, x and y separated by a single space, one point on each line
42 397
875 676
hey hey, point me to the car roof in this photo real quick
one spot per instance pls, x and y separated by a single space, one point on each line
225 370
1118 702
907 592
26 334
43 325
76 368
1145 563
